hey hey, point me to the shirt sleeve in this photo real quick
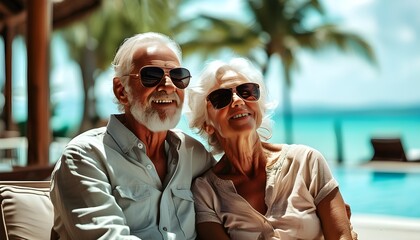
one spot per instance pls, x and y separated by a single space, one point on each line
82 197
322 180
204 201
202 160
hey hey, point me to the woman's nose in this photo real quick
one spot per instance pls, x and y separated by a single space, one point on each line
236 100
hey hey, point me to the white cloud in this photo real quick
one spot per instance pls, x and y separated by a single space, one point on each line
406 34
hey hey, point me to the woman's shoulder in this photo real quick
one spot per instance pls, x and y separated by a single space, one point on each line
273 147
208 180
301 149
275 153
303 157
293 153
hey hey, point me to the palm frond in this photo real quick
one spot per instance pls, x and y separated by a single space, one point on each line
208 36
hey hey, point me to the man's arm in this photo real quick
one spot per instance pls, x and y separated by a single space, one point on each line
83 200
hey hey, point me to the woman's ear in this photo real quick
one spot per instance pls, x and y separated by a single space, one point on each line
119 91
208 128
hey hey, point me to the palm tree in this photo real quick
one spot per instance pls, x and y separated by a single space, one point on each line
208 35
93 42
284 24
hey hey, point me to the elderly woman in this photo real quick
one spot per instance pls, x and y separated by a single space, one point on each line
257 190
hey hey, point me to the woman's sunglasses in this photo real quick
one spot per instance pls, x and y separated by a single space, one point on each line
222 97
152 76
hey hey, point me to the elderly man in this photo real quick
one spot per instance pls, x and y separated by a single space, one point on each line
132 178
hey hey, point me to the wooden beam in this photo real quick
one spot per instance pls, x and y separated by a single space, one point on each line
38 129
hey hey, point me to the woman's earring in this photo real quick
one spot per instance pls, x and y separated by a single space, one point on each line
265 133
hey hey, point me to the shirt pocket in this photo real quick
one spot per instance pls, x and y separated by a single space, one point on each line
184 205
135 201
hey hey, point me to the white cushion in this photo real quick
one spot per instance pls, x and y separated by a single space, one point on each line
26 210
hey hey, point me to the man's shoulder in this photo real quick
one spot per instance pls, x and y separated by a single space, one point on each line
89 137
183 136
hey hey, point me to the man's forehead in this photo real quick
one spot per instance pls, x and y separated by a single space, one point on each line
151 49
155 52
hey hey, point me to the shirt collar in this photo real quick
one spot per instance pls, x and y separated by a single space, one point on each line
123 137
126 139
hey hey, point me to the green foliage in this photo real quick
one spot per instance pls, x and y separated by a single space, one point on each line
105 29
207 36
279 28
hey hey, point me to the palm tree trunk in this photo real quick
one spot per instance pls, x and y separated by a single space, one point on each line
287 107
339 140
90 116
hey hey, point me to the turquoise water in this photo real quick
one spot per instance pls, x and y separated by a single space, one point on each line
318 131
380 193
356 132
367 191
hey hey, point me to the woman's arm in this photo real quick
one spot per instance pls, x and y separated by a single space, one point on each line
334 220
211 231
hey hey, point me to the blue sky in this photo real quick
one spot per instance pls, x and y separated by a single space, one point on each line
344 80
329 79
337 79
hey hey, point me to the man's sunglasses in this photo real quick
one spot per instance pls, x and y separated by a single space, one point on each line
222 97
152 76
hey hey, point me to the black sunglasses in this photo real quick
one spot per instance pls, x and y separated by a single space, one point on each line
152 76
222 97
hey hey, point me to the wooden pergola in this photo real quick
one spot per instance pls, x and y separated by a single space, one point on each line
35 19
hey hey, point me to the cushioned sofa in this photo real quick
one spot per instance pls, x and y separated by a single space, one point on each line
26 210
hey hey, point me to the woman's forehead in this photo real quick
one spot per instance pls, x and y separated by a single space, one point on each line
231 78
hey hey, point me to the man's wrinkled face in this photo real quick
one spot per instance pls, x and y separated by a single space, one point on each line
158 108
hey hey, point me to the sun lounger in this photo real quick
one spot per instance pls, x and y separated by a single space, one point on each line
391 149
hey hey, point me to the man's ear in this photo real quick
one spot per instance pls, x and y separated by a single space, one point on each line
208 128
119 91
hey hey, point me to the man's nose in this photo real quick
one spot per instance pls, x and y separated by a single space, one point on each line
166 84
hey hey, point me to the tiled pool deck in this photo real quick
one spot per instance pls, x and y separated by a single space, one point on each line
393 166
371 227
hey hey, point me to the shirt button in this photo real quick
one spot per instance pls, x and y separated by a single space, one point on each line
165 229
140 146
149 167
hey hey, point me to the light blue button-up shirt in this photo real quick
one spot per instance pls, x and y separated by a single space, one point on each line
105 186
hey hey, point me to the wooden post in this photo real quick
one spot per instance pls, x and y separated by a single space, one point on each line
12 26
38 130
8 40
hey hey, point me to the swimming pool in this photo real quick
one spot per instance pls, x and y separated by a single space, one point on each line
380 192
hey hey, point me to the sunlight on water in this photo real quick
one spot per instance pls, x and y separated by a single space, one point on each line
382 193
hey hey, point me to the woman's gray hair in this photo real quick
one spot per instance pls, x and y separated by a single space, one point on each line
197 112
123 60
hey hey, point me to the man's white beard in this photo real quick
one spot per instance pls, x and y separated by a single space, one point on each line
150 118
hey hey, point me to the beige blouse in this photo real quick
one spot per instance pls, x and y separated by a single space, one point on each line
298 180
